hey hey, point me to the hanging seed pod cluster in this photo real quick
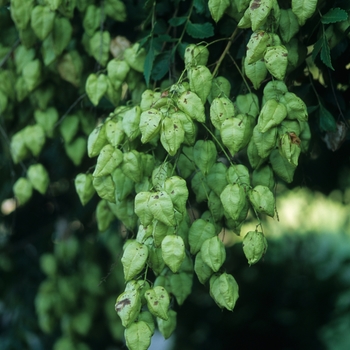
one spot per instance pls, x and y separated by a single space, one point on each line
154 164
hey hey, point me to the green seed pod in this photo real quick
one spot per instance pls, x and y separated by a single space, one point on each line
305 136
138 336
203 271
224 290
96 87
233 199
160 231
236 132
160 174
124 211
155 260
104 187
114 132
131 121
122 183
18 148
254 158
256 72
42 21
238 174
38 177
69 128
143 233
259 12
135 57
108 160
215 206
263 176
158 302
303 9
148 318
172 134
162 208
213 253
84 187
188 125
290 148
132 166
138 285
148 98
185 166
191 104
150 124
296 108
276 60
196 55
97 139
181 286
204 155
248 104
280 165
254 246
257 46
220 87
128 305
271 115
262 200
200 80
47 120
34 138
104 215
177 190
289 126
289 25
167 327
275 89
216 178
141 208
221 109
22 190
245 21
200 231
218 8
235 225
208 217
200 187
134 259
117 71
173 252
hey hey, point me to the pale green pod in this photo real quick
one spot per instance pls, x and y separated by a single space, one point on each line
238 174
204 155
96 87
177 190
131 122
200 79
124 211
185 166
276 60
290 148
114 131
218 8
203 271
254 246
150 124
117 71
213 253
257 45
233 199
220 87
155 260
172 134
134 259
160 174
289 25
69 127
123 184
259 12
128 306
216 178
104 187
38 177
262 200
108 160
141 208
189 127
148 318
138 285
305 136
18 148
275 89
191 104
196 55
215 206
160 231
135 57
97 139
224 290
148 98
42 21
289 126
84 187
34 138
200 187
303 9
254 158
263 176
181 286
132 166
22 190
296 108
248 104
173 252
143 233
104 215
245 21
167 327
162 207
256 72
280 165
158 302
200 231
221 109
271 115
138 336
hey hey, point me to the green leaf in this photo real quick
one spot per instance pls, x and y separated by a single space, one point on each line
161 65
334 15
22 190
149 64
317 47
76 150
99 47
177 21
326 53
200 31
327 122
